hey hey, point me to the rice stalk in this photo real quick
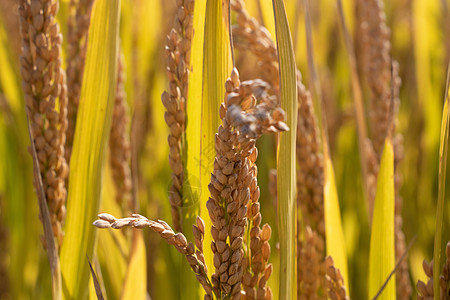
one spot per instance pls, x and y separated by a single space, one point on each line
44 83
77 31
119 143
178 46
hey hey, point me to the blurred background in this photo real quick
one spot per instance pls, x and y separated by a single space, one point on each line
420 38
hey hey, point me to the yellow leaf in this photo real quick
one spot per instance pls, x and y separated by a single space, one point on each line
382 239
286 158
333 226
89 149
135 286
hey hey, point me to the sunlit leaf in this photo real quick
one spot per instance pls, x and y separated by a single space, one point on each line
382 239
443 150
135 286
89 150
335 240
216 69
286 162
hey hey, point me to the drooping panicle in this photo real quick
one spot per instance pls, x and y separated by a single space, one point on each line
178 47
178 240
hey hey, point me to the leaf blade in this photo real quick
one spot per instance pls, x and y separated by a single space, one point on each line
335 240
135 285
216 69
382 240
286 156
91 136
443 150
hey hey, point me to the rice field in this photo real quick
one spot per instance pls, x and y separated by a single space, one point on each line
206 149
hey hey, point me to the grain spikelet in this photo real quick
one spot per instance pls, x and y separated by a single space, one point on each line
178 47
444 278
335 282
255 264
425 290
77 31
178 240
249 35
43 84
311 270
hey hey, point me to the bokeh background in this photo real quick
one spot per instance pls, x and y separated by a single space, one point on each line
420 38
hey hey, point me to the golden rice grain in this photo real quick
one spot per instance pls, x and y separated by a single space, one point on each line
44 83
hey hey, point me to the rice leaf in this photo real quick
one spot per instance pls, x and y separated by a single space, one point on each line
193 160
382 247
112 247
91 137
216 69
135 286
443 150
286 159
335 240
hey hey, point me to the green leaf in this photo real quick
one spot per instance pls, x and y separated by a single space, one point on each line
113 248
193 160
443 150
286 162
382 240
335 240
205 96
88 157
135 286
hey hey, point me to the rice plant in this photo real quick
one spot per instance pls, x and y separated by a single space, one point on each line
206 149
